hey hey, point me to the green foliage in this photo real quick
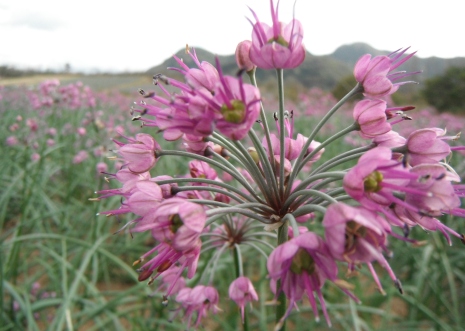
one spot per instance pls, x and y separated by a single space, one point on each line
49 234
447 92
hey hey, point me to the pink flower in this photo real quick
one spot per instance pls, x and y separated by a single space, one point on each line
139 154
373 179
166 258
278 46
32 124
176 221
35 157
357 235
441 197
426 146
81 131
241 291
371 117
303 264
375 74
12 141
80 157
199 299
206 76
243 55
145 197
389 139
102 167
171 282
239 106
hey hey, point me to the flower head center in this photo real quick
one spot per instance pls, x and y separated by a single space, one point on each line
235 113
354 230
280 40
372 182
176 222
302 261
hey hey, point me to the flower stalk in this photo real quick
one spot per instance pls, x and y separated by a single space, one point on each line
250 189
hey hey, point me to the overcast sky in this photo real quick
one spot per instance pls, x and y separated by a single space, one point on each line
136 35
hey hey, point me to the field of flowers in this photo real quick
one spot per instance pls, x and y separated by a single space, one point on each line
64 268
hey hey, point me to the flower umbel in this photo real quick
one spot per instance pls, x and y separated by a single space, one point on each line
249 195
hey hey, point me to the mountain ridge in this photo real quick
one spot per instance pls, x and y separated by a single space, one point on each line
324 71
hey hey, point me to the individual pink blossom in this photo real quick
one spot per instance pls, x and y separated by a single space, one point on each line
195 144
81 131
241 291
204 76
170 277
375 177
50 142
426 146
303 264
200 300
292 147
101 167
376 76
200 169
32 124
278 46
239 106
371 117
80 157
356 235
145 197
243 55
176 221
441 197
52 132
139 153
12 141
167 257
13 127
35 157
389 139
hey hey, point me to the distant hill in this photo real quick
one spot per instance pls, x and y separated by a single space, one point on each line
322 71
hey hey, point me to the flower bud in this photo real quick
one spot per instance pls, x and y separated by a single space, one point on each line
242 55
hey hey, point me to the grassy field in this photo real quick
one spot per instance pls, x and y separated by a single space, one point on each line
64 268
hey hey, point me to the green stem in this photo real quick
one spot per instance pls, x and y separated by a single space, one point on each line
341 158
298 166
240 273
358 88
282 131
263 119
267 168
281 306
217 164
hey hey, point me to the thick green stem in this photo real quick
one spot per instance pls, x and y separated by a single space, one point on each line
282 131
281 305
240 273
227 169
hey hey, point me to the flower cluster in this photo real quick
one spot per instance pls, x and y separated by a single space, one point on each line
269 194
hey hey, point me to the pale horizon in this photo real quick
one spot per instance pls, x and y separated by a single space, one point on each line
106 37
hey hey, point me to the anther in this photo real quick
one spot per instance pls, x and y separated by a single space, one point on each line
165 301
441 176
399 286
406 230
